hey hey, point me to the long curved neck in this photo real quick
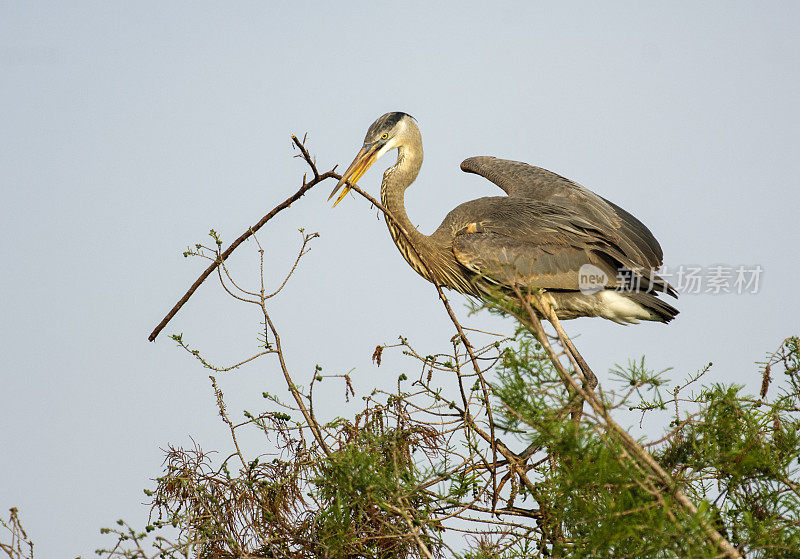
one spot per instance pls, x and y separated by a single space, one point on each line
395 181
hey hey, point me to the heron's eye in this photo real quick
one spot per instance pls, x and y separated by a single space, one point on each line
384 136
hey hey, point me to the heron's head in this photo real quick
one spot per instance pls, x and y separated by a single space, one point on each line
391 131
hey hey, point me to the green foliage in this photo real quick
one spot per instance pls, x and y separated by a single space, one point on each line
750 448
367 489
428 470
735 455
530 391
393 482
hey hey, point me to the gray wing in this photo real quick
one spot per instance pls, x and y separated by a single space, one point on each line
513 262
518 241
520 180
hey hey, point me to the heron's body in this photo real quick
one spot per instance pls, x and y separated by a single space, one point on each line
543 235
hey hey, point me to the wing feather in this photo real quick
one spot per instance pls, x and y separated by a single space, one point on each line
510 262
518 241
520 180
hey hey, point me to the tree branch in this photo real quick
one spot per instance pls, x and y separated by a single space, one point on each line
318 178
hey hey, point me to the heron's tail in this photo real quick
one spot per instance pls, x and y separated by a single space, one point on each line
659 310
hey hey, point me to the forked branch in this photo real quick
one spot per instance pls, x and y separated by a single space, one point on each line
306 186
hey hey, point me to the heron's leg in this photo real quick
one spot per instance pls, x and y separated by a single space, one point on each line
589 378
576 401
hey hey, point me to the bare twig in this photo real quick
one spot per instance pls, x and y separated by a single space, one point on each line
318 178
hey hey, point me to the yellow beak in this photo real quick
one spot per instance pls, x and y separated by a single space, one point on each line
363 161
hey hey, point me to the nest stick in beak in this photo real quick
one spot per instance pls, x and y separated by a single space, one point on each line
363 161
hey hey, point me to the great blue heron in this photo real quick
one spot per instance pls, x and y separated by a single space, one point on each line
588 255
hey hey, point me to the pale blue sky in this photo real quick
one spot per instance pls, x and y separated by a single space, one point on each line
129 129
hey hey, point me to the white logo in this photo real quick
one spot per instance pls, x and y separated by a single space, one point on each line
591 279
